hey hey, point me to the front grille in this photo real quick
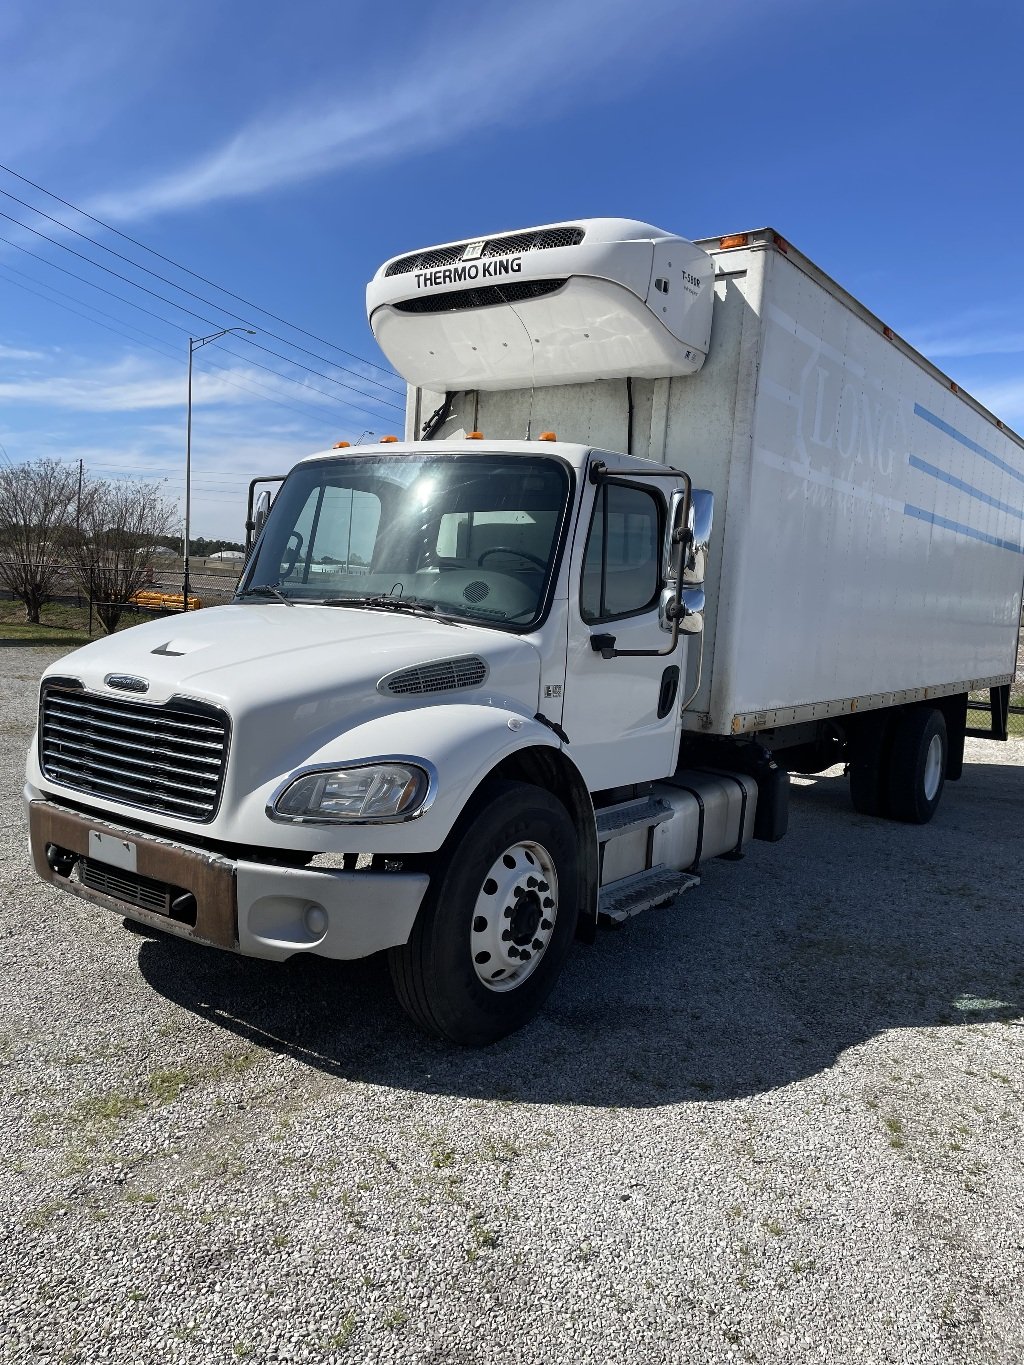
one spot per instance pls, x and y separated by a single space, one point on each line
454 300
511 244
166 758
517 242
445 675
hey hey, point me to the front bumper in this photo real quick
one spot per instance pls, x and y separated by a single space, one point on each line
252 908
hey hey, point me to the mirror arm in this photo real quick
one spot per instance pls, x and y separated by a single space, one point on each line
250 524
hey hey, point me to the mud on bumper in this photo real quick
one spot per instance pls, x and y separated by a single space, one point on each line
257 909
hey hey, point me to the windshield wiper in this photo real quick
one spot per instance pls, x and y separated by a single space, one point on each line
413 605
267 590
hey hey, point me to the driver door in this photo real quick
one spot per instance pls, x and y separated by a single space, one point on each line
622 714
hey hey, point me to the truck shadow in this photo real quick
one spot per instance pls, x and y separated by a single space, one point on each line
763 976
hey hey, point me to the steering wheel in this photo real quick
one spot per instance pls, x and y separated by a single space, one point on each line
508 550
291 555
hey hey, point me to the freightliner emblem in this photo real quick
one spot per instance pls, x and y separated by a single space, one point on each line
125 682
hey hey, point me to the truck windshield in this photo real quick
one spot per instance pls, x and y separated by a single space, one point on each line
467 536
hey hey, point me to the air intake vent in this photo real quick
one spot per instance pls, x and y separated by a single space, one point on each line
454 300
512 244
444 675
166 758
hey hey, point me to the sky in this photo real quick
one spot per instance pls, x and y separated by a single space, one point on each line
282 152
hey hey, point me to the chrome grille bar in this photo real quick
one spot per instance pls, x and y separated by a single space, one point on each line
168 758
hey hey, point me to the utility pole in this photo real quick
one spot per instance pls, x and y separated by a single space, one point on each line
194 344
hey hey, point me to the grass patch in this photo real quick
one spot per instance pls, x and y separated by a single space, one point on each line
59 625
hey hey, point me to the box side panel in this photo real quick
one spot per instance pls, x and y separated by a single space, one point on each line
883 547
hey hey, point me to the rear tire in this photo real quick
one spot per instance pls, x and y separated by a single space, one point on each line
472 972
917 765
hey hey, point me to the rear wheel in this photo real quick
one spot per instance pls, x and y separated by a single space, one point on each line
917 765
498 919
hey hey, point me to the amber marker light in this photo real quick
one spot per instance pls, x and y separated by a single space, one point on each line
474 436
547 436
386 440
341 445
737 239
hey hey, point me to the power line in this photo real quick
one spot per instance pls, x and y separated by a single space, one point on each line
182 290
247 360
211 322
266 313
248 387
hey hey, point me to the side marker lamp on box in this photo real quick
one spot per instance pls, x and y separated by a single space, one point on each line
369 793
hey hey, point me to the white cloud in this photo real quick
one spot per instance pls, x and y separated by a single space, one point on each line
977 333
16 353
480 73
132 385
1005 399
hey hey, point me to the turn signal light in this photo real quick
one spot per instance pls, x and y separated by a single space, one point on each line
474 436
737 239
341 445
386 440
547 436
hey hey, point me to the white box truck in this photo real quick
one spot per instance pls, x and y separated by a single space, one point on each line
669 520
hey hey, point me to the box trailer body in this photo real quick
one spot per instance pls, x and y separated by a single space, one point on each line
670 520
868 547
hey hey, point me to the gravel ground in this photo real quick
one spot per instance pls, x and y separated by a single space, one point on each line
780 1121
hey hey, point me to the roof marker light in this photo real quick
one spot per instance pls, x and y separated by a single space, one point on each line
386 440
341 445
547 436
737 239
474 436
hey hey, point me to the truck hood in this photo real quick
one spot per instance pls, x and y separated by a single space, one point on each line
292 679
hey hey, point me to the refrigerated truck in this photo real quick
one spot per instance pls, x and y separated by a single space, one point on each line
669 520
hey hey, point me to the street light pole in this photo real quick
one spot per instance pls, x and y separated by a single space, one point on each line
194 344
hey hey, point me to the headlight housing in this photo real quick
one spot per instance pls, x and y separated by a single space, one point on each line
367 793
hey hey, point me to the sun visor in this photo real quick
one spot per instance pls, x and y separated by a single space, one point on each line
567 303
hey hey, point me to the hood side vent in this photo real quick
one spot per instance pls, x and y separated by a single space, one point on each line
440 675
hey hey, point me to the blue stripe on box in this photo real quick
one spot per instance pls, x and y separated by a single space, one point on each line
967 488
966 441
910 510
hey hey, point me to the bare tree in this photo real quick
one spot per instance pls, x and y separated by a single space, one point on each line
122 521
37 514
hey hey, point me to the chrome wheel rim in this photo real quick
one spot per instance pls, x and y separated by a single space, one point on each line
514 916
933 768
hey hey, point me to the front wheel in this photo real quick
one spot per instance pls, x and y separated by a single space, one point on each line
498 920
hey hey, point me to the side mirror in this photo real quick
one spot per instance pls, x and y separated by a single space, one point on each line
262 512
702 517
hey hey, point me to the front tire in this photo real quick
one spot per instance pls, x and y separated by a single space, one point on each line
498 919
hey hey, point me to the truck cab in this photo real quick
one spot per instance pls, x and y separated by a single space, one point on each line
433 721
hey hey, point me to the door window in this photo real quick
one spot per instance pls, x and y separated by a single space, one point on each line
620 565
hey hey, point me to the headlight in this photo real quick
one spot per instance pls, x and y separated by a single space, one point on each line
376 791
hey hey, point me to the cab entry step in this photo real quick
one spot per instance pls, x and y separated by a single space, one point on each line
643 891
